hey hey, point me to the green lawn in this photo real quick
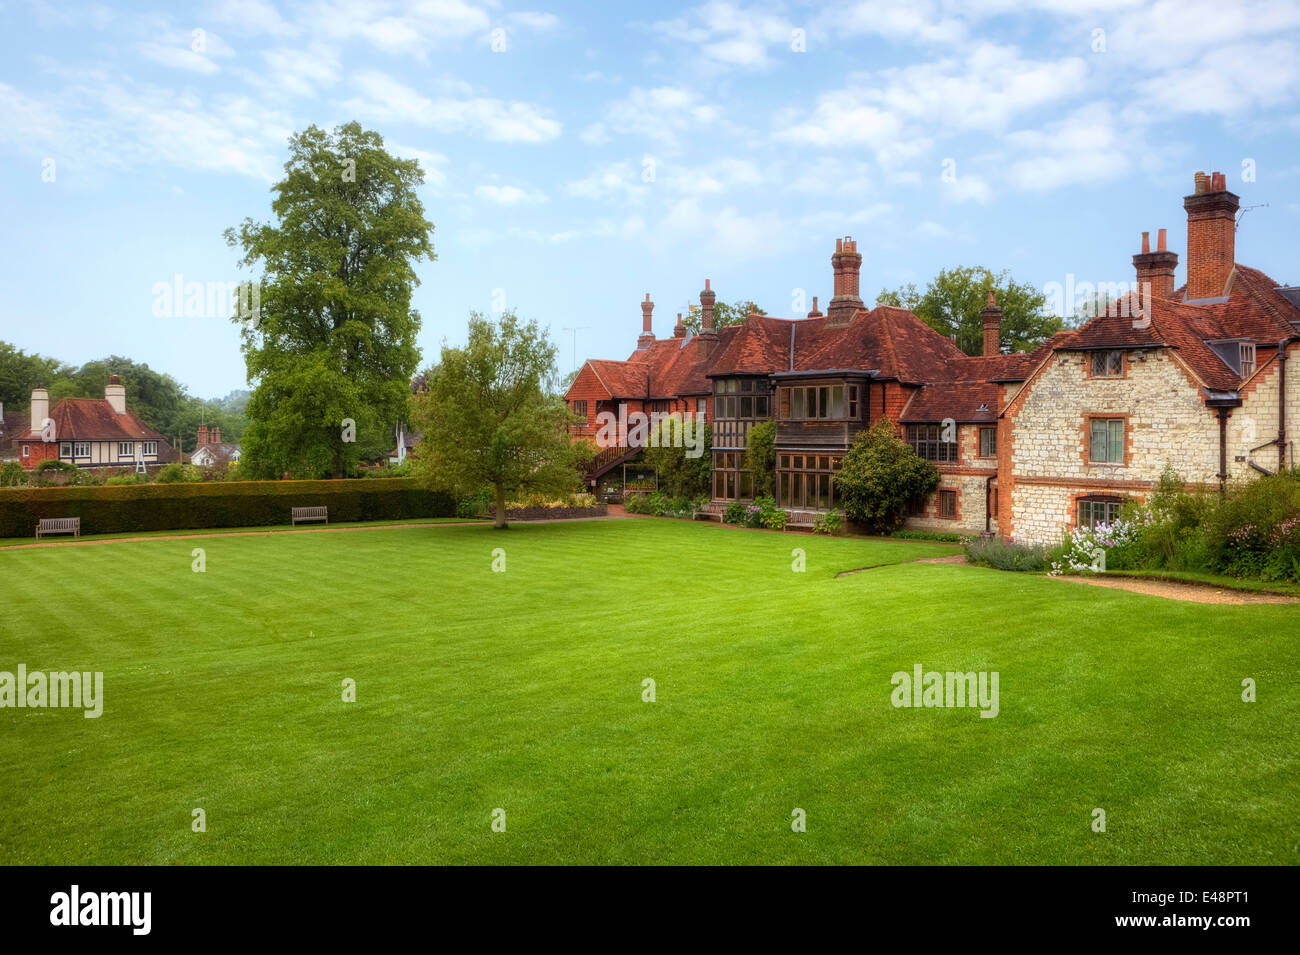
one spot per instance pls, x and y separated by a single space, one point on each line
523 690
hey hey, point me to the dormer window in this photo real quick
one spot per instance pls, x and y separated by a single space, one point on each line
1246 359
1108 364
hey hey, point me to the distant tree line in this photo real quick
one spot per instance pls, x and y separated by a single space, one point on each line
160 400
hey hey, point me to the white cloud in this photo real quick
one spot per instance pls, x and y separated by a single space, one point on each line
300 72
918 20
384 98
729 35
617 180
509 195
251 17
712 178
431 163
966 187
412 29
663 114
1085 147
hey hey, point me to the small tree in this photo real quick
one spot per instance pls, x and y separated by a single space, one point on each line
491 417
723 315
760 457
880 476
680 475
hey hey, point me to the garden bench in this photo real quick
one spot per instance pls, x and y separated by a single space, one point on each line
310 514
58 525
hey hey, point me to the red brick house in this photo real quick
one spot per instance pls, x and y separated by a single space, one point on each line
89 432
1028 444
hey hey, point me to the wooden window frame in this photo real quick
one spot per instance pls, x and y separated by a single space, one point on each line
947 494
929 439
993 432
1089 424
1107 352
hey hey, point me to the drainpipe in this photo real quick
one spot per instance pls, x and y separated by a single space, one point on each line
1223 447
1281 404
988 491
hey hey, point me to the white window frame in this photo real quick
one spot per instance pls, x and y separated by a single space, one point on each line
149 449
65 453
129 452
76 449
1246 358
27 450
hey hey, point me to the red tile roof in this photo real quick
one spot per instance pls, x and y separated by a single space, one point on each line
93 419
1252 310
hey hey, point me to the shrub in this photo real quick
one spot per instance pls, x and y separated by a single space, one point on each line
189 505
12 474
176 472
942 536
736 513
760 457
997 553
117 480
880 475
1113 546
828 523
635 504
1252 533
477 504
656 503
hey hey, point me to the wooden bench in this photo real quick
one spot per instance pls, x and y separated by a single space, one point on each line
305 514
58 525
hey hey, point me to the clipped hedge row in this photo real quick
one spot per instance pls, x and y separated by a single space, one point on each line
132 508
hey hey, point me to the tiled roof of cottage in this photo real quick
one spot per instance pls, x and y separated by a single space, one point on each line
1251 310
93 419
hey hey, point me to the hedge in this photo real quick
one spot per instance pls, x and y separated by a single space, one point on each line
131 508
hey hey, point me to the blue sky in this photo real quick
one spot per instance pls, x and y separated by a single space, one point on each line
581 155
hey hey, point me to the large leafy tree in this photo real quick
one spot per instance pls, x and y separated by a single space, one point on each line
333 335
681 475
880 476
21 372
723 314
951 305
491 416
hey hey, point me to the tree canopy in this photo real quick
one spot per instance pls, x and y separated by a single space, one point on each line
330 350
723 314
952 302
491 416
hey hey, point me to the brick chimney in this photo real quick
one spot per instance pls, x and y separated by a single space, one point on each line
708 336
1156 268
991 319
846 263
679 330
1211 236
214 436
115 394
816 312
40 408
647 333
203 435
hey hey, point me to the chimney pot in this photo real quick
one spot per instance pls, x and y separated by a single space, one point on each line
1160 241
1146 242
991 319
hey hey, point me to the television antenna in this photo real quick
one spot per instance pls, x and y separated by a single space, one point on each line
575 329
1242 214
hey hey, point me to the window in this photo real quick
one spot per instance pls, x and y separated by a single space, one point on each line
1108 364
807 480
65 449
580 408
730 480
701 407
150 447
813 402
853 402
1098 510
948 505
1106 441
125 449
988 442
916 507
81 449
746 398
1247 359
925 441
27 450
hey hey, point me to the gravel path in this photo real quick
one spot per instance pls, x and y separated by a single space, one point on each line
1197 593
